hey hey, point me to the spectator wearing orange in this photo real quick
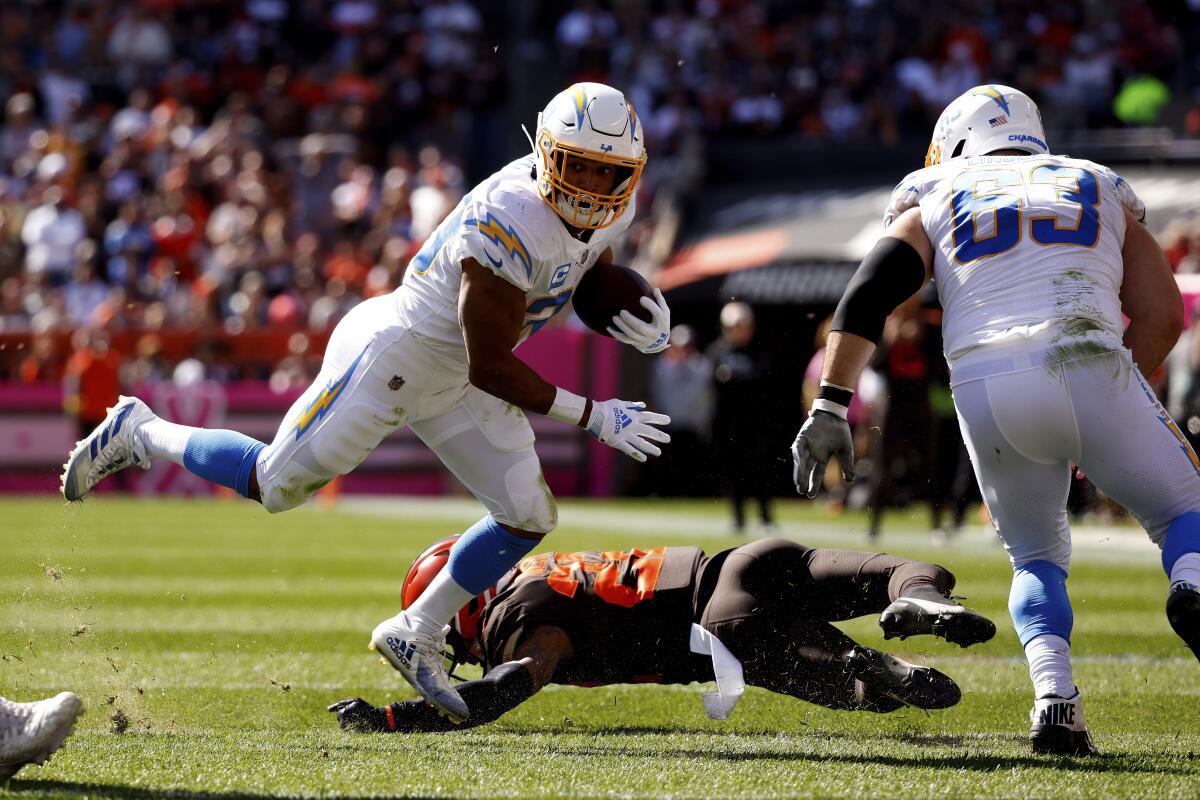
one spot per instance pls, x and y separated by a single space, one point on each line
91 380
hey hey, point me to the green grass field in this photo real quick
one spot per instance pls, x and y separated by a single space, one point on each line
207 637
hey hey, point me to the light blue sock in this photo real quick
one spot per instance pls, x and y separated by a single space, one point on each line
1182 537
1038 601
484 553
224 457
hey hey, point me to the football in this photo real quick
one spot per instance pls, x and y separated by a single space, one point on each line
605 291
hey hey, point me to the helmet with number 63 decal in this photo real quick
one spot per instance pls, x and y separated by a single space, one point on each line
592 121
465 631
985 119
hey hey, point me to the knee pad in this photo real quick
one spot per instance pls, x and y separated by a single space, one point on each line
1183 536
1038 602
528 504
289 487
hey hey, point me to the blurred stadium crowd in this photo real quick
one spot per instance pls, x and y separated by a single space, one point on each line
869 70
198 164
192 163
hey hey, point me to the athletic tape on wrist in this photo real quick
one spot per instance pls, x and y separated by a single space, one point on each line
833 399
568 407
830 407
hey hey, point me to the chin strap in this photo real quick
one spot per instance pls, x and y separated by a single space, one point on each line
455 659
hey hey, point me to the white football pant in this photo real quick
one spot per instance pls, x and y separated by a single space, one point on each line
378 377
1022 428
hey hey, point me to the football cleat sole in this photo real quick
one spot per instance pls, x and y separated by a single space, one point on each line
921 687
1055 740
1183 612
910 616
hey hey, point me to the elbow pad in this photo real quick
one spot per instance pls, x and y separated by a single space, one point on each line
890 274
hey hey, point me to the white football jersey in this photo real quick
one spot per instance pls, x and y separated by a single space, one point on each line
1027 256
505 225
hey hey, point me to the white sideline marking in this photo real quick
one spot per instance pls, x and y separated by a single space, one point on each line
1103 542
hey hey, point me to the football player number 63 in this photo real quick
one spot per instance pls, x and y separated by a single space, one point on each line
994 191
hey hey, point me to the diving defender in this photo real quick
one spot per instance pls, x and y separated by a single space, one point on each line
760 614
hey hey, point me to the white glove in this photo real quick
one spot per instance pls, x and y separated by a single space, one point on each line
628 427
648 337
822 437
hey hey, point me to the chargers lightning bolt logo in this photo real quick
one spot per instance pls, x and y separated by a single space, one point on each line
325 400
580 97
994 94
506 237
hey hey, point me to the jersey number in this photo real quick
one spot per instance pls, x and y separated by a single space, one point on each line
992 191
539 312
623 579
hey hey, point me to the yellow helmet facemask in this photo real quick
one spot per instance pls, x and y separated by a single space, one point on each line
594 122
578 207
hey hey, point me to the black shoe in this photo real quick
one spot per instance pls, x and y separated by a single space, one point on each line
1058 727
887 676
911 616
1183 612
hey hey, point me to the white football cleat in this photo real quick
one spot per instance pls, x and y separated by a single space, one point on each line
112 447
1058 727
420 659
31 732
914 616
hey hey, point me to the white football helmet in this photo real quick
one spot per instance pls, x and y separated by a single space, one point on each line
985 119
593 121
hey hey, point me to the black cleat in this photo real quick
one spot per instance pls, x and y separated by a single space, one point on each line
885 676
1183 612
1058 727
911 616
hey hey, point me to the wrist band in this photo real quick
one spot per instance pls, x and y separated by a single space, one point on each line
568 407
833 399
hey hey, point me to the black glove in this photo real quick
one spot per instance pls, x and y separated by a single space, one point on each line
822 437
504 688
359 715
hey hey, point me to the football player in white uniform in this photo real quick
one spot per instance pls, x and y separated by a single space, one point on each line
436 355
1035 258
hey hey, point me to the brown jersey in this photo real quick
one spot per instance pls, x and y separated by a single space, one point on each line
628 614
